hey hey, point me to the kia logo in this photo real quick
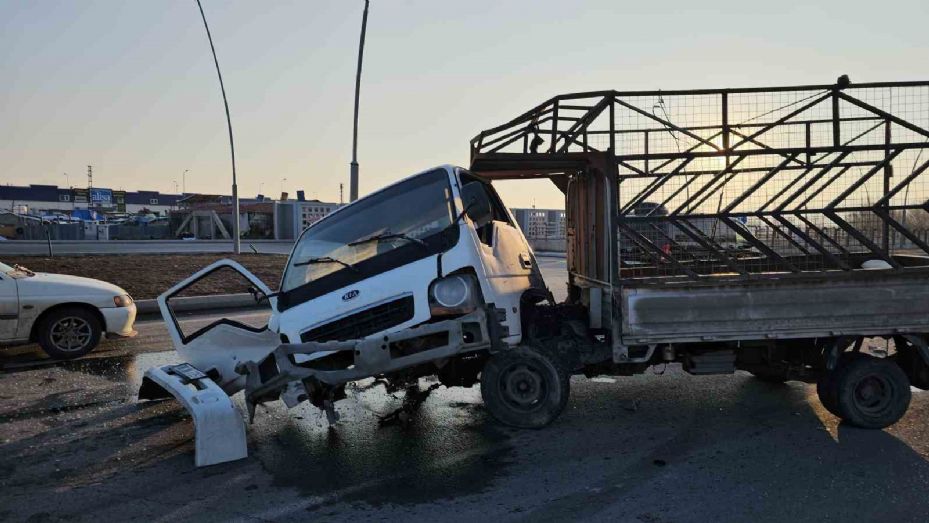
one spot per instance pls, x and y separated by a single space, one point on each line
350 295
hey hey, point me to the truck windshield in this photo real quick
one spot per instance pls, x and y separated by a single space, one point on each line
405 214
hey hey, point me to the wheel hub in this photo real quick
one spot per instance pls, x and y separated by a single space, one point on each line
523 386
71 334
873 394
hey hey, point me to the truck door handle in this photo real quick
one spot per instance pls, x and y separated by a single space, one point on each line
525 261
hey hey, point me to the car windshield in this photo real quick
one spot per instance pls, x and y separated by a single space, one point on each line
400 215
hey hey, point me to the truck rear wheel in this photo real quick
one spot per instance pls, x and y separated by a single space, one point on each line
524 387
870 392
826 387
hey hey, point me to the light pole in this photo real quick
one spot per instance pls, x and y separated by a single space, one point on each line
236 244
353 177
183 182
67 180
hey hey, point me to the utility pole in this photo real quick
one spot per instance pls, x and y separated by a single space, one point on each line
90 186
353 179
236 244
341 195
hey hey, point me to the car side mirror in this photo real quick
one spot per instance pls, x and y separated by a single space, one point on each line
257 295
477 203
479 211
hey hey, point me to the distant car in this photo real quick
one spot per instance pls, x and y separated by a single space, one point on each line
66 315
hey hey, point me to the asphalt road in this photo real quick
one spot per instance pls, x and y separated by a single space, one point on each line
658 447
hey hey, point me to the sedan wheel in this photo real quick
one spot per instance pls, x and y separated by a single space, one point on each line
69 333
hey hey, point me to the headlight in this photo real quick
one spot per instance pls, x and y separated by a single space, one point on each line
123 300
453 295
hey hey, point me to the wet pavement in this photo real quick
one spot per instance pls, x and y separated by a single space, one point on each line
659 447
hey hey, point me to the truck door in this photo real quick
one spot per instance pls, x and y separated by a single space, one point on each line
508 262
9 307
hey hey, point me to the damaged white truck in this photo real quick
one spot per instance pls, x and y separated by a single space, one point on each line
791 242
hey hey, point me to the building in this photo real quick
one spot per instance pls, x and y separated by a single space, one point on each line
541 223
293 216
51 199
311 211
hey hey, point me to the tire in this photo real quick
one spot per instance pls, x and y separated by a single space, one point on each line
524 387
872 393
69 333
826 384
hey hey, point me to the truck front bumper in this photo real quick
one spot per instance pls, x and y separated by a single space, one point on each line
280 376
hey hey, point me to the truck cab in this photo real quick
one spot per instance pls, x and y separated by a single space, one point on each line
436 245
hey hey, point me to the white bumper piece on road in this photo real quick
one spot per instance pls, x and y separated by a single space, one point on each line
219 430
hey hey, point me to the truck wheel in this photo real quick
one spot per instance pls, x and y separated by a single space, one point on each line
871 393
69 333
826 384
524 387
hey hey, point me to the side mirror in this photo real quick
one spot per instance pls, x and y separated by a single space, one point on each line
477 204
257 295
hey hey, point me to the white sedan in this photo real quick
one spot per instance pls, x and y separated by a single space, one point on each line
66 315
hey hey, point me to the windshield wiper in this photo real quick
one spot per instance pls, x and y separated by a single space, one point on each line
326 259
390 236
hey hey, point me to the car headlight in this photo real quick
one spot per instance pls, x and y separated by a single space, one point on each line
123 300
455 294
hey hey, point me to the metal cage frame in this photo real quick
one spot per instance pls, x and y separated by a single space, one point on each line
738 183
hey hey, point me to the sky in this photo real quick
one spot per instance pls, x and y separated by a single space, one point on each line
130 87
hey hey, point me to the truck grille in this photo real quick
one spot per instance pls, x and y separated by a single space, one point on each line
363 323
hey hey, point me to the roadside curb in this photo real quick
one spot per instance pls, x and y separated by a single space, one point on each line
199 303
551 254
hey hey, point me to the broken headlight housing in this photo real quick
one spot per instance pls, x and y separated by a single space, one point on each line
456 294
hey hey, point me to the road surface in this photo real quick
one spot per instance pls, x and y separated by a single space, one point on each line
659 447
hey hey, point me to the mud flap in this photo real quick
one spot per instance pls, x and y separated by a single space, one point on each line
219 430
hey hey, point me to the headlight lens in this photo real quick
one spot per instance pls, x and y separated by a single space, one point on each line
123 300
453 295
451 292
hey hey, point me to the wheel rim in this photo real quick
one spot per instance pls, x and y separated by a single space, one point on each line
71 334
873 394
523 387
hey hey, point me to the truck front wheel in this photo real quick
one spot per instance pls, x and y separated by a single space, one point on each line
524 387
870 392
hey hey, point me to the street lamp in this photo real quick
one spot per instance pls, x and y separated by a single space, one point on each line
184 181
67 180
353 173
236 243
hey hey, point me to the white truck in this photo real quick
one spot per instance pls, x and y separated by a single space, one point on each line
432 276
